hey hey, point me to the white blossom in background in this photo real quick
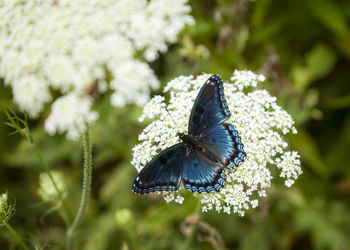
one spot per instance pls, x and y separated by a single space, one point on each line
260 122
71 45
47 190
70 113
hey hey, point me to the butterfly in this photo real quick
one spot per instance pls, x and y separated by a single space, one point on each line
198 162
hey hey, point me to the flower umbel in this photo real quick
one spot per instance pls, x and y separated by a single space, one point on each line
261 124
71 46
7 209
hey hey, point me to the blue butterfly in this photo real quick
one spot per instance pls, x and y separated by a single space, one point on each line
199 160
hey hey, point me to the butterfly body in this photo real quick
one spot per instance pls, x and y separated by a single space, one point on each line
197 162
192 144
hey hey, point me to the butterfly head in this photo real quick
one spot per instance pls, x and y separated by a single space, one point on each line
190 141
181 136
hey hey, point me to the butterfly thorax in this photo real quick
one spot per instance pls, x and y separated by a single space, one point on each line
193 144
190 141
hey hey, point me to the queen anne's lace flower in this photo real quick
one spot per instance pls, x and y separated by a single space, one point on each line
70 46
70 113
261 124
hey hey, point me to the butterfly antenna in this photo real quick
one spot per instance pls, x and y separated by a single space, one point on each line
172 119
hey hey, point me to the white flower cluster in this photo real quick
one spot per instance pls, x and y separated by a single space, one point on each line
260 122
70 46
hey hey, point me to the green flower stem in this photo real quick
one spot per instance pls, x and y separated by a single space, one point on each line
65 215
16 235
72 230
190 238
26 135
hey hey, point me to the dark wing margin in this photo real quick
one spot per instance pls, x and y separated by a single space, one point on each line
163 172
202 176
210 107
225 142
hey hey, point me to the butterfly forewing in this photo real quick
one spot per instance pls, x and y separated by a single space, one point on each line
224 140
163 173
200 175
209 108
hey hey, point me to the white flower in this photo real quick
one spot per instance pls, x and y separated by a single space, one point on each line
289 163
31 93
70 45
260 122
70 113
127 83
179 199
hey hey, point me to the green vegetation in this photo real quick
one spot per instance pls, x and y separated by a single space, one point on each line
302 47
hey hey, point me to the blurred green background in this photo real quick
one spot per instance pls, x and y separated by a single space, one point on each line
303 48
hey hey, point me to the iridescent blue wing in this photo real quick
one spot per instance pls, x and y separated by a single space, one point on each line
209 108
200 175
163 173
223 140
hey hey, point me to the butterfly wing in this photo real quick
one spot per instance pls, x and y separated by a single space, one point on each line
163 173
200 175
223 140
209 108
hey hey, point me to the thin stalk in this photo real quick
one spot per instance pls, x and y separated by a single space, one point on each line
16 235
72 230
65 215
26 135
190 238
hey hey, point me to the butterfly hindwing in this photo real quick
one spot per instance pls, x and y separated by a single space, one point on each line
163 173
200 175
209 108
225 141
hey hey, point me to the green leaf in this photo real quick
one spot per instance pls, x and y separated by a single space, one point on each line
318 63
330 14
339 102
337 157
